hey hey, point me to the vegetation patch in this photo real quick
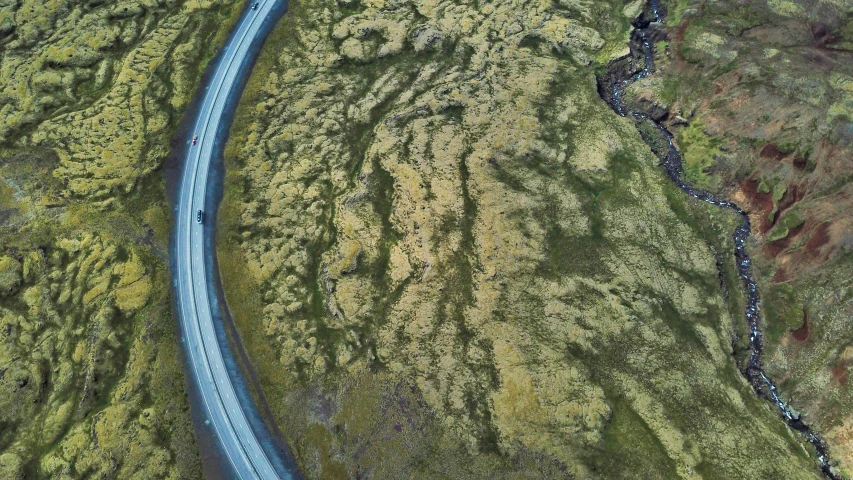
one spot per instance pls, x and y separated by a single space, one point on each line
440 241
777 112
698 150
91 378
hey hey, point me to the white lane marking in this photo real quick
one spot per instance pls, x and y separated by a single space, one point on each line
194 327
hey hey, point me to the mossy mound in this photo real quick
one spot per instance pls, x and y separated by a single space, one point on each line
10 274
91 381
449 258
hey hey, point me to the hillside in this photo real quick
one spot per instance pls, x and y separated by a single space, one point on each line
449 258
760 95
91 381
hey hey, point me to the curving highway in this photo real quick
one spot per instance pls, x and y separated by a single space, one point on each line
237 441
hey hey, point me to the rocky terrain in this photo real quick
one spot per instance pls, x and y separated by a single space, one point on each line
446 255
760 95
449 258
91 380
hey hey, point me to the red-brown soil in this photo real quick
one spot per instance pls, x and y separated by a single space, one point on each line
819 238
775 248
763 202
679 40
770 150
792 196
792 260
802 334
840 374
780 275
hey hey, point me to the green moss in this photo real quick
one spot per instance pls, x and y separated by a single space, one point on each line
464 265
94 384
10 274
784 310
778 232
793 218
774 95
670 90
631 449
675 11
698 150
779 190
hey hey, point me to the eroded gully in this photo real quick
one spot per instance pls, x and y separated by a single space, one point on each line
621 73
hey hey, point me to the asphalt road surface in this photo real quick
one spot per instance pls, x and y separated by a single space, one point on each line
239 444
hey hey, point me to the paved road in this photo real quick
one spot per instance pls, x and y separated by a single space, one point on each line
236 439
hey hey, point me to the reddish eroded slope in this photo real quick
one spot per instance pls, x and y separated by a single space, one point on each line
771 92
760 204
840 373
771 150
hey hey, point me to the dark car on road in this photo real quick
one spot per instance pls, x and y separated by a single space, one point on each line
255 6
198 216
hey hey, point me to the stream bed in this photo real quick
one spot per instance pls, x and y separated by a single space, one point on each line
621 73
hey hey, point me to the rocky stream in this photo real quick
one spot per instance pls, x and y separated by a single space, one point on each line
621 73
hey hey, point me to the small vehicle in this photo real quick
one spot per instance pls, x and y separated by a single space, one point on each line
255 6
198 216
195 139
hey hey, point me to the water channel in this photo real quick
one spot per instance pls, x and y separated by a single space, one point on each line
639 64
